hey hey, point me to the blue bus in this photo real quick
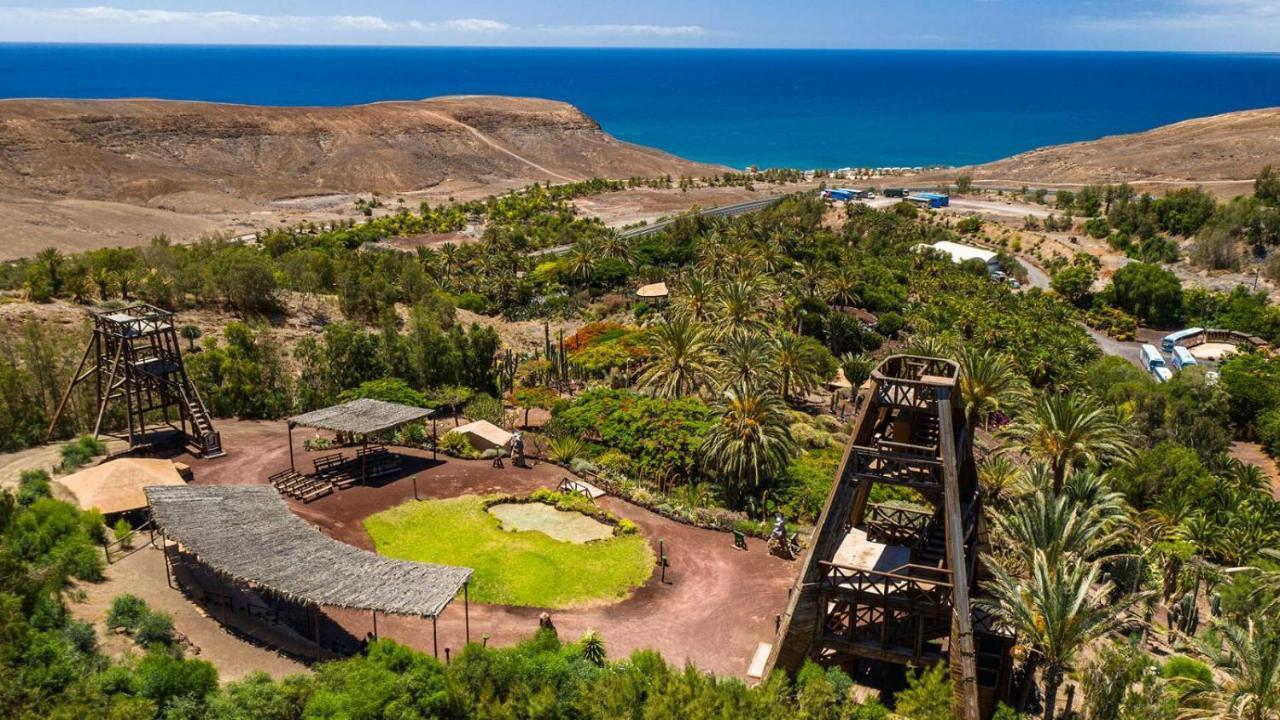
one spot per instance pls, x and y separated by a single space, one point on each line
1172 339
1151 358
1182 358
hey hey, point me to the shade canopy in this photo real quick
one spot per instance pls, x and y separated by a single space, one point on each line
247 533
363 416
117 486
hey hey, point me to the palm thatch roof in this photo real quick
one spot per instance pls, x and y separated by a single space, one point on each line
363 416
247 533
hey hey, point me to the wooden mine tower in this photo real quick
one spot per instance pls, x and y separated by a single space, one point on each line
134 358
889 584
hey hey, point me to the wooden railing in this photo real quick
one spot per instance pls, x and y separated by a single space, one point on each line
897 525
923 589
884 466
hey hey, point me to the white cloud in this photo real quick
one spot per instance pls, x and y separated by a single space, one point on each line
477 25
1192 16
153 24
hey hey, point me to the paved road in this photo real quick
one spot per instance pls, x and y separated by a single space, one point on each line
1109 345
741 208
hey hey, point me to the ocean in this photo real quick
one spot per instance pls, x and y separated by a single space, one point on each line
772 108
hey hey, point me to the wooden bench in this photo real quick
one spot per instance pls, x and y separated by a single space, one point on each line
329 463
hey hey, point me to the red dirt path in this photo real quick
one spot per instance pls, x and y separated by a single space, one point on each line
715 606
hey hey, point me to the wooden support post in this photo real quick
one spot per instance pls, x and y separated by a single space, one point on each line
71 384
164 548
965 699
102 406
291 467
435 439
466 611
435 638
375 624
315 617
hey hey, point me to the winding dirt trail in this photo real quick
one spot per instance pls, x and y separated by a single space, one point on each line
498 146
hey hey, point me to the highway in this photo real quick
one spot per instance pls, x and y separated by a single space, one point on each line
735 209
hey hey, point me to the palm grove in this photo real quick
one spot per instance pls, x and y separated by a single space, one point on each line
1117 516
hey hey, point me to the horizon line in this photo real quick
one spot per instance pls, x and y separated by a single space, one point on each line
403 46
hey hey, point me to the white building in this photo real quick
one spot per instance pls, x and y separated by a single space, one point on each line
960 253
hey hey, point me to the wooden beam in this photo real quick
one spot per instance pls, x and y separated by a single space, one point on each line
965 692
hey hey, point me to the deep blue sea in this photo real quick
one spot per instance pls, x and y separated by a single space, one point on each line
793 108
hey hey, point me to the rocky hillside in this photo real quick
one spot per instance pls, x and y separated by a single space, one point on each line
78 174
140 151
1223 149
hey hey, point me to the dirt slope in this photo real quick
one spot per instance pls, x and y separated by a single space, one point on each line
1222 149
87 173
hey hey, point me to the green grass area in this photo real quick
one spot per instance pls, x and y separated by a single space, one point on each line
511 568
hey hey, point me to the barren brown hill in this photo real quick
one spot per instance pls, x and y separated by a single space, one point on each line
1219 150
85 173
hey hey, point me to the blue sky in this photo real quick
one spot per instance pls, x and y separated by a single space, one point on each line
1199 25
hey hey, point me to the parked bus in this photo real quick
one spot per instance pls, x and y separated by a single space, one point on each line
1182 358
1162 374
1171 340
1151 358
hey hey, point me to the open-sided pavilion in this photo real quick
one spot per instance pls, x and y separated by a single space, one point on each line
247 535
361 418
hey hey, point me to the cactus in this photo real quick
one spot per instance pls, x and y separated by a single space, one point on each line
1186 615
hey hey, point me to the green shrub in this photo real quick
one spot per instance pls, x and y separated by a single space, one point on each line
33 485
126 611
457 444
154 628
165 678
94 525
485 407
626 527
565 449
614 461
807 436
74 456
1181 666
124 533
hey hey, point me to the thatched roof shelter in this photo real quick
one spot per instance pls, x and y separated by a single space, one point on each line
364 416
116 486
248 534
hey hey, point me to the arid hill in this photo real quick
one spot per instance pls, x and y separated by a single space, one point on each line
86 173
1223 149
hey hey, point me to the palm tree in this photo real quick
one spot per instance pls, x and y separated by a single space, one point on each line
53 260
1248 661
747 358
997 476
694 295
751 443
593 648
842 287
799 363
738 306
1057 611
988 383
613 245
1054 526
811 273
681 359
1069 428
582 259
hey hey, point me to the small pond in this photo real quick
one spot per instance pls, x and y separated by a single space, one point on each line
559 525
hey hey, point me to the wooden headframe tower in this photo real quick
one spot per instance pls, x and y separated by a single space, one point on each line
893 584
134 358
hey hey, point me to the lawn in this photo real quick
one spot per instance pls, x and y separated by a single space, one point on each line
511 568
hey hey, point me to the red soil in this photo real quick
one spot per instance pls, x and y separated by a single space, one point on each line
717 602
